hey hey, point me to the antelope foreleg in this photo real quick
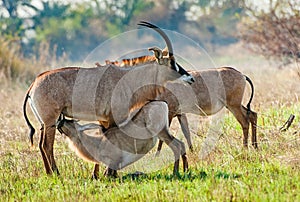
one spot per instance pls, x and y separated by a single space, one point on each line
95 174
109 172
160 143
185 129
183 156
176 145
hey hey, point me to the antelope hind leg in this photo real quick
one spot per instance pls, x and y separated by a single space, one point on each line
46 147
240 113
253 120
44 156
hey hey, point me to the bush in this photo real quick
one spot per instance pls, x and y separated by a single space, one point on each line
274 33
10 60
15 67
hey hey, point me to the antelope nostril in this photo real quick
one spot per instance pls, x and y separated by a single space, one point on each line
192 79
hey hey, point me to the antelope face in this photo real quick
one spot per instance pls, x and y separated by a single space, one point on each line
67 127
71 127
185 76
166 73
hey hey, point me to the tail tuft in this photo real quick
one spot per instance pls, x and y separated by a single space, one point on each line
32 130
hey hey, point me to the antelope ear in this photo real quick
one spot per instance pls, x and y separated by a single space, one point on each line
157 52
165 51
98 64
105 124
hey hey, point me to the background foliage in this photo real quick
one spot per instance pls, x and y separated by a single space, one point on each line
74 29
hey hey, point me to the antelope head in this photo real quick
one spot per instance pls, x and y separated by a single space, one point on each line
72 128
185 76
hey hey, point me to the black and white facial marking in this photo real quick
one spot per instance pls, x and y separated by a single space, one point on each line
185 75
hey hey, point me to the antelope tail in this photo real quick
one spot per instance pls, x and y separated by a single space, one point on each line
252 93
32 130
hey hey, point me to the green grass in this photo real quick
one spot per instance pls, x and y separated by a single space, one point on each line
231 173
250 177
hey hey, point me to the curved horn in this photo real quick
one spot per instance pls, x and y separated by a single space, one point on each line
161 32
188 78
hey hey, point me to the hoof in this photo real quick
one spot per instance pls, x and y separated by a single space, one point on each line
110 173
94 177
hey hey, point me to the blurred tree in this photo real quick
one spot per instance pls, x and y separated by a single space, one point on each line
65 29
212 23
118 15
274 30
74 28
10 7
77 28
11 24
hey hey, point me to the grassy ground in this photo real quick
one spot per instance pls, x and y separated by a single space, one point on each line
230 173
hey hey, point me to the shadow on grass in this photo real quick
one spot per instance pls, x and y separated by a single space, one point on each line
188 176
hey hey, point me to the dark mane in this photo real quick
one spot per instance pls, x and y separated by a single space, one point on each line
130 62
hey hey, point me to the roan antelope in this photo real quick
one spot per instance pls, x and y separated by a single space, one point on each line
87 93
214 89
121 146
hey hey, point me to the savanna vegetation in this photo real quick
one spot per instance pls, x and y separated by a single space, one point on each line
52 34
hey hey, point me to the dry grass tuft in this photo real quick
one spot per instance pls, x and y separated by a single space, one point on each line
14 67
